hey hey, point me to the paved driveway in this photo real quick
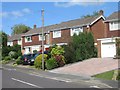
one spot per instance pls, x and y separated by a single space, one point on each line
89 67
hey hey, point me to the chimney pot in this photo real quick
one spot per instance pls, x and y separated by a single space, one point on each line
34 26
101 12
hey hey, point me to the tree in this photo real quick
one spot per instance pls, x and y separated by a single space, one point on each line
20 28
88 15
81 48
3 38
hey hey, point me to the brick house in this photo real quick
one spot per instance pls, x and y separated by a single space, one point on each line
14 39
107 46
61 33
32 40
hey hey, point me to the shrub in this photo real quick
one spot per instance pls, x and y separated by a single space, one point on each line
13 54
7 58
19 61
38 61
81 48
51 64
118 77
58 50
60 59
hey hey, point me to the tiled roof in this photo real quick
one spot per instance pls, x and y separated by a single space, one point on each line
114 16
63 25
14 37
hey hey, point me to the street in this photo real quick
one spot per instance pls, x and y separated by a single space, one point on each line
11 78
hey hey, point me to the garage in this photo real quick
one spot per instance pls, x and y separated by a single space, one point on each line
108 47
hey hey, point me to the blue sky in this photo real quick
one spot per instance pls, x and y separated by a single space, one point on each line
29 13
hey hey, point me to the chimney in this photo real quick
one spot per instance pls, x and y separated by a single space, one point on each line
34 27
101 12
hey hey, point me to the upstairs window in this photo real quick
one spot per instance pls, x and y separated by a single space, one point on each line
57 34
76 30
114 25
40 37
28 39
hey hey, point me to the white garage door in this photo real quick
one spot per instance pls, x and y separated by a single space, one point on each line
108 50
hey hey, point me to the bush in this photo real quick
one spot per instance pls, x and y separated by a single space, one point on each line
58 50
51 64
60 59
118 77
19 61
7 58
38 61
81 48
13 54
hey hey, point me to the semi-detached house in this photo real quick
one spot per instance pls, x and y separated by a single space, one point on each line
105 31
60 34
107 45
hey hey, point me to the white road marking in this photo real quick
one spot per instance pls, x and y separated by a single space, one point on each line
53 78
26 83
102 84
9 69
94 87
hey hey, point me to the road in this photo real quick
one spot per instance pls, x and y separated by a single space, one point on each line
11 78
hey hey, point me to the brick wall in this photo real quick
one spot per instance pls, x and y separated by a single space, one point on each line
35 41
98 29
65 37
114 33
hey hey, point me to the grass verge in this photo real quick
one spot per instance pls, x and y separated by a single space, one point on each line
106 75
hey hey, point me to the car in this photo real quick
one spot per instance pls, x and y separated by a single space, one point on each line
27 59
33 58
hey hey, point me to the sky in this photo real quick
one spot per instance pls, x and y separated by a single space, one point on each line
29 13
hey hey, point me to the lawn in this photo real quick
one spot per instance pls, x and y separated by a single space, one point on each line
107 75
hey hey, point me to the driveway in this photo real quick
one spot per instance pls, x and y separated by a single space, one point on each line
89 67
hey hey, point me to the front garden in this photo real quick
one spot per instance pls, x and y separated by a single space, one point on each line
80 48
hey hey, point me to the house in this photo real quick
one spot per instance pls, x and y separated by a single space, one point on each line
14 39
63 31
60 34
32 40
107 46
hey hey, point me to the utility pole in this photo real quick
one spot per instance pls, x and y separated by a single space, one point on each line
42 11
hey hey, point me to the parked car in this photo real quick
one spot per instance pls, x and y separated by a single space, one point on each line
33 59
27 59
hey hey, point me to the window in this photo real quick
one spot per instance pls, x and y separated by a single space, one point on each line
19 42
114 25
57 34
28 39
40 37
76 30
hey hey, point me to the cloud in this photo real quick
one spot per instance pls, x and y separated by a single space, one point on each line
16 14
78 2
26 10
3 14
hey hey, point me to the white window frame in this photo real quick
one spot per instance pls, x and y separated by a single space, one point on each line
76 30
19 41
115 25
10 43
26 39
40 37
56 33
